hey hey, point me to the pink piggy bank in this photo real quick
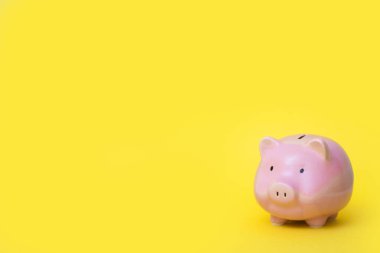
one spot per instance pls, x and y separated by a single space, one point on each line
303 177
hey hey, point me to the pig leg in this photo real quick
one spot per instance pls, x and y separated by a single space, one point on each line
277 221
333 217
317 222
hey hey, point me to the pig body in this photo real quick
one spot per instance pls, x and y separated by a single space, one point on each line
303 177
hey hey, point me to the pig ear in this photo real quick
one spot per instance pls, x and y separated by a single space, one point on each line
268 143
318 146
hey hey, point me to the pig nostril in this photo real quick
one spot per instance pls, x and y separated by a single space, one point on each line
285 194
277 193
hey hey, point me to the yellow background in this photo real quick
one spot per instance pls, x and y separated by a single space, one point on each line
133 126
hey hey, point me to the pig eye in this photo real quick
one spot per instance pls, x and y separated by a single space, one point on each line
271 168
302 170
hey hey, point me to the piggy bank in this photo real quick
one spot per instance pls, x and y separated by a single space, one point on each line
303 177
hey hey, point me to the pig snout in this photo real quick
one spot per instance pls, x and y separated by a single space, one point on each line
281 193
